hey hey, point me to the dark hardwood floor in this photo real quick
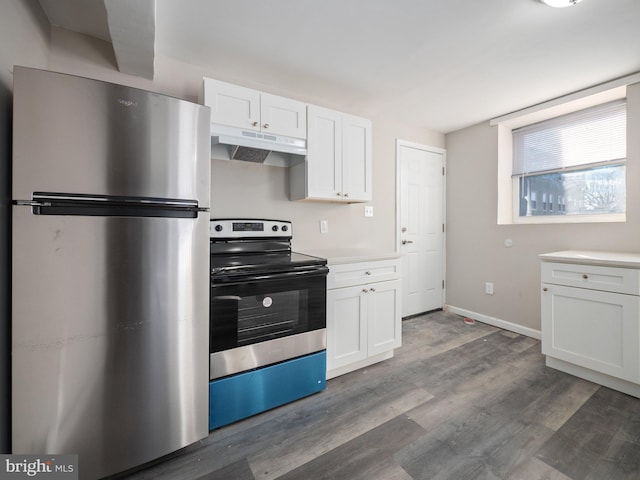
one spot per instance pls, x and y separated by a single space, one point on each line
456 402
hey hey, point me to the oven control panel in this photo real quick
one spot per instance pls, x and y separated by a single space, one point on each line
248 228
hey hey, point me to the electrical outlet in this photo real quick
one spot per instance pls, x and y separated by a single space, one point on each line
368 211
488 288
324 226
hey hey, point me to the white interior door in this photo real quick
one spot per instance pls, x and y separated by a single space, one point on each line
421 226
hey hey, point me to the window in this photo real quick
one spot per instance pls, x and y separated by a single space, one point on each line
574 164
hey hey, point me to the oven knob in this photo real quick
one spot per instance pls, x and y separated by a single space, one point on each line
218 228
284 228
274 228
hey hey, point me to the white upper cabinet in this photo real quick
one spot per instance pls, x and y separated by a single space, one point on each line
232 105
339 160
324 155
356 158
283 116
236 106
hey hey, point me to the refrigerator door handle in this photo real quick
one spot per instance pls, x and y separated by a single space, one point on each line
110 205
32 203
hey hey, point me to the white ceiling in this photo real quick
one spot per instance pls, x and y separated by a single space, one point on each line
439 64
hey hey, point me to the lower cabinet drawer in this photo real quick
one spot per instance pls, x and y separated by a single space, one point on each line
347 275
595 277
593 329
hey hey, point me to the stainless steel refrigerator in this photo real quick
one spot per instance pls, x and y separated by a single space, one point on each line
110 271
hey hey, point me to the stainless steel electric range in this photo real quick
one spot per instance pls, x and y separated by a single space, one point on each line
267 319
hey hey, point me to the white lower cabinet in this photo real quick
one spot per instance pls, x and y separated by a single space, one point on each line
591 322
597 330
363 319
346 327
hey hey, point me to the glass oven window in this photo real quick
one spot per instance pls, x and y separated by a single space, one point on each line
263 317
259 310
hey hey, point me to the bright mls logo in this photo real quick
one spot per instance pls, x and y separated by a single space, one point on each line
51 467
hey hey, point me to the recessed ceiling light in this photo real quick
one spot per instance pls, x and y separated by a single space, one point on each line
560 3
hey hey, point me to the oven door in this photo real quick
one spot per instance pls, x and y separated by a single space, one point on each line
265 319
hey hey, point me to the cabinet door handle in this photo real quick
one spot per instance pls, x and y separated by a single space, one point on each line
364 290
346 194
254 124
367 272
585 276
545 289
373 289
404 242
339 194
266 125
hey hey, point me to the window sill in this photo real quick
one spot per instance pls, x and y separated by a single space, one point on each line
547 219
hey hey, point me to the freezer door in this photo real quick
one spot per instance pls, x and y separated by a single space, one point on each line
72 134
110 337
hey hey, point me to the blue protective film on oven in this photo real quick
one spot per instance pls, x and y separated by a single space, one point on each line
239 396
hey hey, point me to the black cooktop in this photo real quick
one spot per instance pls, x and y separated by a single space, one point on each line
263 263
251 247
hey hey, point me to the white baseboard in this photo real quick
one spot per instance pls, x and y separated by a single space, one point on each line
496 322
623 386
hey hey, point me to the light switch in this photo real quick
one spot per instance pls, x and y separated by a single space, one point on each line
324 226
368 211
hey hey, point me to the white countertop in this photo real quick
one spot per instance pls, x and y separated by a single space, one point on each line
614 259
337 256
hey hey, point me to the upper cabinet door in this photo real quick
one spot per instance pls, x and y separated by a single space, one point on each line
283 116
249 109
324 158
232 105
339 159
356 158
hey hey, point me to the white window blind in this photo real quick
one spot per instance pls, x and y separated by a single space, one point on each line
596 135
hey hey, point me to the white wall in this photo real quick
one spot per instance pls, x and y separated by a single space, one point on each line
24 36
244 189
475 250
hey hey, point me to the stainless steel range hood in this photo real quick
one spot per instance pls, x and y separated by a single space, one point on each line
257 147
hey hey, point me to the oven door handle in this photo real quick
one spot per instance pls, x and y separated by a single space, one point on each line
229 297
222 279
